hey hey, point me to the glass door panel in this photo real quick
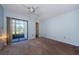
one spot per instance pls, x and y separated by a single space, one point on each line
18 32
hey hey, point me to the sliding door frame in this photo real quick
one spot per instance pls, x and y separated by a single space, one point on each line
8 20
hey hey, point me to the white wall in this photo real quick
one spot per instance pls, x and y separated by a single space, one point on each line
1 19
31 22
64 28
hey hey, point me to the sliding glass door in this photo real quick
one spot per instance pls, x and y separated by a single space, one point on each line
19 30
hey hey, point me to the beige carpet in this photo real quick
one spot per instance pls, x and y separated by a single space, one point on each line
40 46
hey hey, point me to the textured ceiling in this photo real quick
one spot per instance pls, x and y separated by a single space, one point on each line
45 10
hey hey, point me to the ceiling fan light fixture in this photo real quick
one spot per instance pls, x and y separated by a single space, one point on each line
32 9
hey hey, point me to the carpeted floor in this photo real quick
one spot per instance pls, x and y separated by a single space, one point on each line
40 46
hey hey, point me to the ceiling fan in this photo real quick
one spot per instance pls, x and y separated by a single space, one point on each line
31 9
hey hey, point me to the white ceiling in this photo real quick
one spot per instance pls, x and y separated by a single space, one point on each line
45 10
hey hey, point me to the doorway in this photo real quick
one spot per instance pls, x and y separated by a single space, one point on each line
17 30
37 29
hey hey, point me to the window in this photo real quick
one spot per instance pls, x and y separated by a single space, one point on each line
18 27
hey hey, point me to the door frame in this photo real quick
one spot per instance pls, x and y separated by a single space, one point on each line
9 29
37 29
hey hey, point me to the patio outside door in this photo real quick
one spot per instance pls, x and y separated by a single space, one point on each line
19 30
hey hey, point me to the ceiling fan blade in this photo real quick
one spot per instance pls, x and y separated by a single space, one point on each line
28 7
37 7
